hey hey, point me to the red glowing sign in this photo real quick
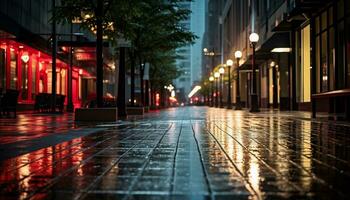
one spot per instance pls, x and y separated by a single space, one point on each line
157 99
84 56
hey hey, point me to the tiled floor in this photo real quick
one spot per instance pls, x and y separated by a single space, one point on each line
190 153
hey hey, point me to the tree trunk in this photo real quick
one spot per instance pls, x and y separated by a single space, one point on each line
132 77
142 71
99 58
121 84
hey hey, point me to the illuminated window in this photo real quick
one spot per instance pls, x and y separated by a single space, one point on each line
13 70
305 65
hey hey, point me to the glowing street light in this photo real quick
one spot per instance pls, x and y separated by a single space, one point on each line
211 79
229 64
238 56
254 38
221 71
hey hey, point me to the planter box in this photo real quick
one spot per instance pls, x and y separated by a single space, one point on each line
135 110
96 114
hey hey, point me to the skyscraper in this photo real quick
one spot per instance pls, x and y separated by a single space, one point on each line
190 58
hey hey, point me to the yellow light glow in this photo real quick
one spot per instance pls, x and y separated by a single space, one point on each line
238 54
229 62
281 50
216 74
222 70
194 91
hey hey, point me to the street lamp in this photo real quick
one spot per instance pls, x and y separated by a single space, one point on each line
221 71
238 56
205 50
254 38
229 64
216 76
211 80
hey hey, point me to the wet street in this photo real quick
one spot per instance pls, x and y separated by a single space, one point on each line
179 153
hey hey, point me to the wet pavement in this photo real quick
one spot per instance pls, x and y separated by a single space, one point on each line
190 153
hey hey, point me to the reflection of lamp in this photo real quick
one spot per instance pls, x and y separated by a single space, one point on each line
25 58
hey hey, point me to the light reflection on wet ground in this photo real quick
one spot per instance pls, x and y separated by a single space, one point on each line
191 153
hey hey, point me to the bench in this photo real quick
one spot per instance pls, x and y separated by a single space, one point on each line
43 102
8 102
333 95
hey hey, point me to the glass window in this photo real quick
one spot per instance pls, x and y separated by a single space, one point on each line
317 22
324 20
13 69
2 69
24 81
324 64
331 56
318 66
340 12
348 53
34 66
330 16
341 56
305 65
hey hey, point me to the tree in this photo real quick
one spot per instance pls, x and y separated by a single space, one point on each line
152 26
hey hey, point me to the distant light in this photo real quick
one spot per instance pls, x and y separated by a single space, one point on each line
229 62
254 37
211 78
79 34
25 58
281 50
222 70
205 50
238 54
173 93
216 74
194 91
21 47
272 64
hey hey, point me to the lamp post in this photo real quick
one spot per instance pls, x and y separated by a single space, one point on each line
238 56
216 76
211 80
229 63
254 38
221 71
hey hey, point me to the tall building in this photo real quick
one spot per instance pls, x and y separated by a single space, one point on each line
302 56
189 61
26 55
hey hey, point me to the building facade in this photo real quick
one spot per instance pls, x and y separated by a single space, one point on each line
26 54
303 51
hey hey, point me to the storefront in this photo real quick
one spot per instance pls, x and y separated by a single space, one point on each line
29 71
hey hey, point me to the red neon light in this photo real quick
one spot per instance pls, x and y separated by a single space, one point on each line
157 99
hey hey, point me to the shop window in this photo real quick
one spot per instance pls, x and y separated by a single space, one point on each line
331 56
2 69
63 82
24 80
318 66
317 25
34 66
324 64
348 53
341 56
340 12
330 16
305 91
13 69
324 20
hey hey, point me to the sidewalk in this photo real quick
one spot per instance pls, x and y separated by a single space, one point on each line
190 153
